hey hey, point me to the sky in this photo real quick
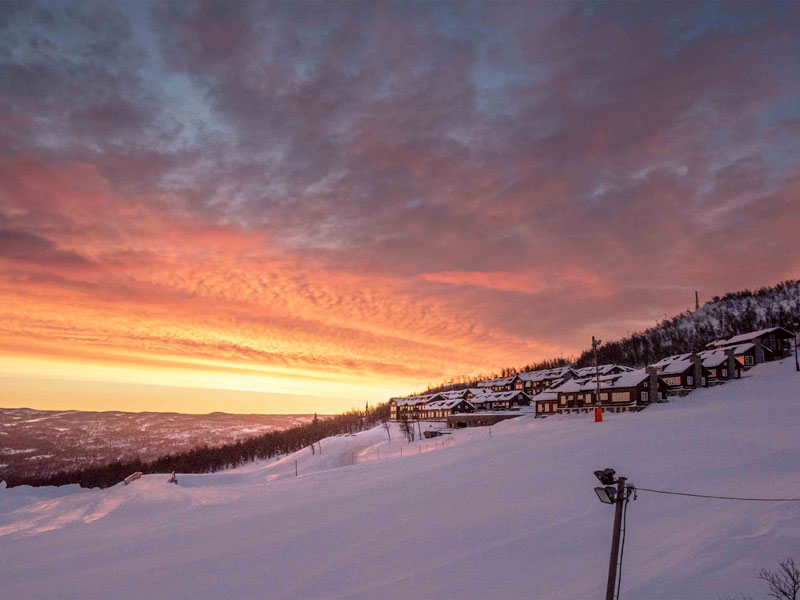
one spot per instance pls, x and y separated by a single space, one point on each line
284 207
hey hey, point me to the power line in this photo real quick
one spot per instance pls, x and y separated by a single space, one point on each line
719 497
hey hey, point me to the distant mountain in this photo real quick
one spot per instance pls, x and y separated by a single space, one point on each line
39 443
735 313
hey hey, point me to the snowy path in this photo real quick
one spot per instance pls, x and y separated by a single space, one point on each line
507 516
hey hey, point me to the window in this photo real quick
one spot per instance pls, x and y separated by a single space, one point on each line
604 396
689 380
620 396
644 396
724 372
748 361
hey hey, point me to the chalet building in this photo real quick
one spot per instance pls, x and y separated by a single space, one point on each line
441 409
682 373
546 403
501 400
502 384
769 344
535 382
619 392
745 354
721 364
411 406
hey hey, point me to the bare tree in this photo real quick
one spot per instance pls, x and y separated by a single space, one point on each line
406 427
784 584
387 427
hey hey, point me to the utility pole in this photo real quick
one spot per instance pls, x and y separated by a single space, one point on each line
612 564
295 468
796 362
696 300
595 344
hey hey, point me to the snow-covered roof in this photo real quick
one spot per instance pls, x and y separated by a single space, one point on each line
446 403
602 369
677 366
742 348
415 400
627 379
544 375
545 395
498 397
747 337
714 358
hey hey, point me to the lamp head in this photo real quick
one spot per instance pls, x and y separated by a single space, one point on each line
606 476
607 494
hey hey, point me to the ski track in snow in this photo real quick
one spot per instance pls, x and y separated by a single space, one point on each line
507 516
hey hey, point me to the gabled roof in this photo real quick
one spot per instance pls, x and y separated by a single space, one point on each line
714 358
446 403
498 397
544 375
677 366
749 337
602 369
416 400
499 381
742 348
627 379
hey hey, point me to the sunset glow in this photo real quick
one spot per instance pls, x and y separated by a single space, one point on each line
266 207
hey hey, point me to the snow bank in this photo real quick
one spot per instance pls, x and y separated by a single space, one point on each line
507 516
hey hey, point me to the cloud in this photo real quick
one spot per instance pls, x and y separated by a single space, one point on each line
415 190
30 248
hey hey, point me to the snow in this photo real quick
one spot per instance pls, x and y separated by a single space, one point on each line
746 337
466 516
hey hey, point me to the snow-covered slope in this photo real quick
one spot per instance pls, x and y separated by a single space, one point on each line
507 516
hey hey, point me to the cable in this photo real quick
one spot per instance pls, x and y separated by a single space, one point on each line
719 497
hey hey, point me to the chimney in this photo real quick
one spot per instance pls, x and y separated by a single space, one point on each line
652 384
731 363
698 370
759 351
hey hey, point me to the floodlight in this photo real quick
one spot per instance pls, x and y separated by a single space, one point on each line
606 476
607 495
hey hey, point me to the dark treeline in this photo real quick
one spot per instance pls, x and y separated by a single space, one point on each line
733 314
207 459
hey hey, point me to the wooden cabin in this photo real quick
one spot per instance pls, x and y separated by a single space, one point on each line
773 343
535 382
546 403
501 400
722 365
682 373
443 408
628 390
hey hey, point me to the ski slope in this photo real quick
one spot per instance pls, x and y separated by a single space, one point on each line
513 515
